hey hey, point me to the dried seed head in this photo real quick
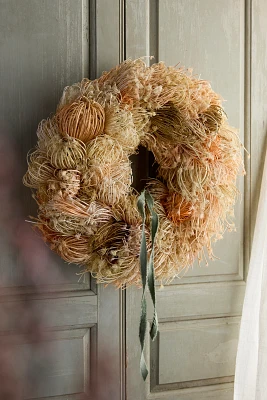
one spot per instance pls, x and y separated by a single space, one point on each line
83 119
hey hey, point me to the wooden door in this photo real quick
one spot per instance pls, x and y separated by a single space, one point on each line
57 333
224 41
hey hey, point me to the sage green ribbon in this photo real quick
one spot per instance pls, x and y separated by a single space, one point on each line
147 274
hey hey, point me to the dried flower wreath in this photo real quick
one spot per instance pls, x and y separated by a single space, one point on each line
82 174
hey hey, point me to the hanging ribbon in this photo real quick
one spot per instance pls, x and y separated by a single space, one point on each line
147 274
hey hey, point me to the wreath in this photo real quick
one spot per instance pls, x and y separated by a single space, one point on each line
82 175
81 172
